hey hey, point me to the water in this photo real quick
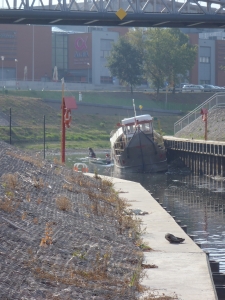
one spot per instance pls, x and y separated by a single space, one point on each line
198 201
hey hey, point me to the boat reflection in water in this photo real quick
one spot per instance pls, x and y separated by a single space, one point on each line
136 147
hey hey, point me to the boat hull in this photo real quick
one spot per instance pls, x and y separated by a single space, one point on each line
141 154
150 168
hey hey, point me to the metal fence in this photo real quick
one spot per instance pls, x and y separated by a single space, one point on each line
216 100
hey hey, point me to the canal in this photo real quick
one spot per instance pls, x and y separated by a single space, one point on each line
197 201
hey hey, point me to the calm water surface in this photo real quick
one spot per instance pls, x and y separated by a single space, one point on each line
197 201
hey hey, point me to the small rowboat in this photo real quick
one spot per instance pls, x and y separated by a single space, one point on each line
100 161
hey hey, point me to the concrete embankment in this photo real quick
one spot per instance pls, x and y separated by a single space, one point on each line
183 268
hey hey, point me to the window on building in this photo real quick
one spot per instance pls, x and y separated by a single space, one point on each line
204 59
106 44
60 51
204 81
106 79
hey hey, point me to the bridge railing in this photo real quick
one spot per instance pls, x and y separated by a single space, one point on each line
217 99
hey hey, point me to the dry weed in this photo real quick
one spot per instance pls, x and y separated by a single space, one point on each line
96 176
58 171
47 239
100 265
28 197
105 185
156 296
63 203
24 215
10 181
82 181
8 204
57 161
38 183
36 162
39 201
35 220
143 246
71 188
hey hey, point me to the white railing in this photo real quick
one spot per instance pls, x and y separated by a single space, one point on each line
217 99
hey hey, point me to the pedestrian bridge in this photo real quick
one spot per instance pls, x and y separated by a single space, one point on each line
127 13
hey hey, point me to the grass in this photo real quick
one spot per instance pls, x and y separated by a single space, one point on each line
28 109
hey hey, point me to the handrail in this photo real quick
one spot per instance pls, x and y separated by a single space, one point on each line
194 114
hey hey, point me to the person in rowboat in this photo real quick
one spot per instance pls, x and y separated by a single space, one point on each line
91 153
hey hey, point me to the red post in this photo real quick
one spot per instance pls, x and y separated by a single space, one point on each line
68 103
204 113
206 127
63 129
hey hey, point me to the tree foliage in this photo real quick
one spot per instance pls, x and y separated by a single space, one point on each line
167 54
125 62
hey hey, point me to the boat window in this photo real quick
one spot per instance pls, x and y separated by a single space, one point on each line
147 127
132 129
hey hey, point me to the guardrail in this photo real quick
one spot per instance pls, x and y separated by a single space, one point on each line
217 99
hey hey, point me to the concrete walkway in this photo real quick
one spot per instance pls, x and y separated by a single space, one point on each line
182 269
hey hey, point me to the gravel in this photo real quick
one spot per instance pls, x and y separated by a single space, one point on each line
79 252
215 127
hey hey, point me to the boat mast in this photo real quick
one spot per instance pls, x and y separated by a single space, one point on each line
138 129
134 110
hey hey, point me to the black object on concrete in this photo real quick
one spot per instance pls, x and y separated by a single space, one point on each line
173 239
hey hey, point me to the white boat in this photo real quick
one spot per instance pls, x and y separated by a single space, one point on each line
136 147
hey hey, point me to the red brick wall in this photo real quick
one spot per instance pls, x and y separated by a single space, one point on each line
20 47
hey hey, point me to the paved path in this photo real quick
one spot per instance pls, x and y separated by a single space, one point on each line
182 268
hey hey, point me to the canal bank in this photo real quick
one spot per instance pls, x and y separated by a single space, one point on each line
183 268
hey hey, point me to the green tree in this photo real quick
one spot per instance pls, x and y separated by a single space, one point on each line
181 58
167 55
125 62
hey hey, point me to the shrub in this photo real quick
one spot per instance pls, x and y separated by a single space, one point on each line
63 203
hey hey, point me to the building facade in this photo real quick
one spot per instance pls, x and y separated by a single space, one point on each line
32 53
208 68
25 52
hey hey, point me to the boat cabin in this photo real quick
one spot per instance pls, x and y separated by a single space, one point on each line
143 122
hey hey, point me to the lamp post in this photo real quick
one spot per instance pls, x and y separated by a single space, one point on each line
88 64
2 58
16 61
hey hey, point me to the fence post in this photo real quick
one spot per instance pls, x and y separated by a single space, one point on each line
10 126
44 136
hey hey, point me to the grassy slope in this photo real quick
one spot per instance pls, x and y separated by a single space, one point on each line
86 130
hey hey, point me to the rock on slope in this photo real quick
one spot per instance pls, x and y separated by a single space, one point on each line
216 127
63 235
